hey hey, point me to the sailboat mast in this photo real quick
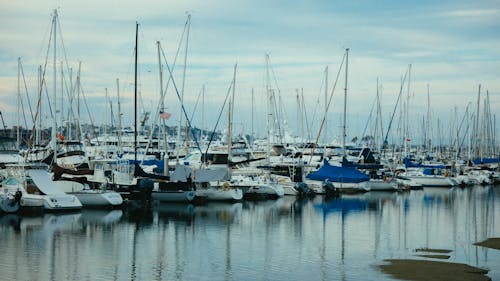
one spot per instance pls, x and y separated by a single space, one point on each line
325 138
345 102
135 92
476 127
269 111
54 108
253 131
188 23
119 116
163 128
18 143
231 107
78 126
39 107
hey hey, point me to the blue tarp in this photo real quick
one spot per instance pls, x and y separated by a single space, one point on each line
338 174
486 161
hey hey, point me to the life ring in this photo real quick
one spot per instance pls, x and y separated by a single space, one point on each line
225 185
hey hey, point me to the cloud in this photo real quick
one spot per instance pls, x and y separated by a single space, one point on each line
302 38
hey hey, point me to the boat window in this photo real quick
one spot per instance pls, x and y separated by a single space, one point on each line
10 181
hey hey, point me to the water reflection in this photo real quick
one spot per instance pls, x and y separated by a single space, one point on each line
285 239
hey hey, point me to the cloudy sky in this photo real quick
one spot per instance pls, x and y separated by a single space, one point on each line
453 46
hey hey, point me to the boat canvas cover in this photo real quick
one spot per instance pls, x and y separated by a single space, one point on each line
44 182
212 174
338 174
409 164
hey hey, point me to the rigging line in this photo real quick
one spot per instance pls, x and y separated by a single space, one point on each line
219 118
176 54
196 103
43 83
26 91
459 144
162 97
394 111
327 107
62 43
274 76
164 91
182 106
304 108
84 97
24 114
368 121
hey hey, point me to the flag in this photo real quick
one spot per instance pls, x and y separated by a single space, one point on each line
165 115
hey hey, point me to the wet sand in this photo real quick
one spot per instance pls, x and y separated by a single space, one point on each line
493 243
424 270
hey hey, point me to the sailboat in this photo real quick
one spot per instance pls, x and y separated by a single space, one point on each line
69 162
344 178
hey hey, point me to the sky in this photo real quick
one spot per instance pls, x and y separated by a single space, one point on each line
452 47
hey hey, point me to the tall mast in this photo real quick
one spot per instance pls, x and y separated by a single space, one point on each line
202 111
253 131
476 127
54 108
230 116
428 125
407 115
345 102
39 108
135 91
119 116
325 138
188 23
78 126
269 109
18 143
163 128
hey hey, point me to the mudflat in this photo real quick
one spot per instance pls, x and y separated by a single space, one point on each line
493 243
424 270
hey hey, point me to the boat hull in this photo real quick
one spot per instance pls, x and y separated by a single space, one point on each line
98 198
220 194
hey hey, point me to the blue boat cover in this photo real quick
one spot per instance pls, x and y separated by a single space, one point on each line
338 174
486 161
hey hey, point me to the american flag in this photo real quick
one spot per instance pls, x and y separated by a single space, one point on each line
165 115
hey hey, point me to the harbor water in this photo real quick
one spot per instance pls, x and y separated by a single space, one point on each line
342 238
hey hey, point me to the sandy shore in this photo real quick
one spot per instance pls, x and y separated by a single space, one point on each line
423 270
493 243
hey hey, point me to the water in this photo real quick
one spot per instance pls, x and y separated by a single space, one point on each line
287 239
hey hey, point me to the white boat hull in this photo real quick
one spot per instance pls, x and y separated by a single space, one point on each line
220 194
437 181
266 190
99 198
381 185
59 202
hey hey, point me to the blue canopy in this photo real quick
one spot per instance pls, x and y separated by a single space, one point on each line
486 161
338 174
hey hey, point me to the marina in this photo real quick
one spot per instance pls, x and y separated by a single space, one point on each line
302 166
